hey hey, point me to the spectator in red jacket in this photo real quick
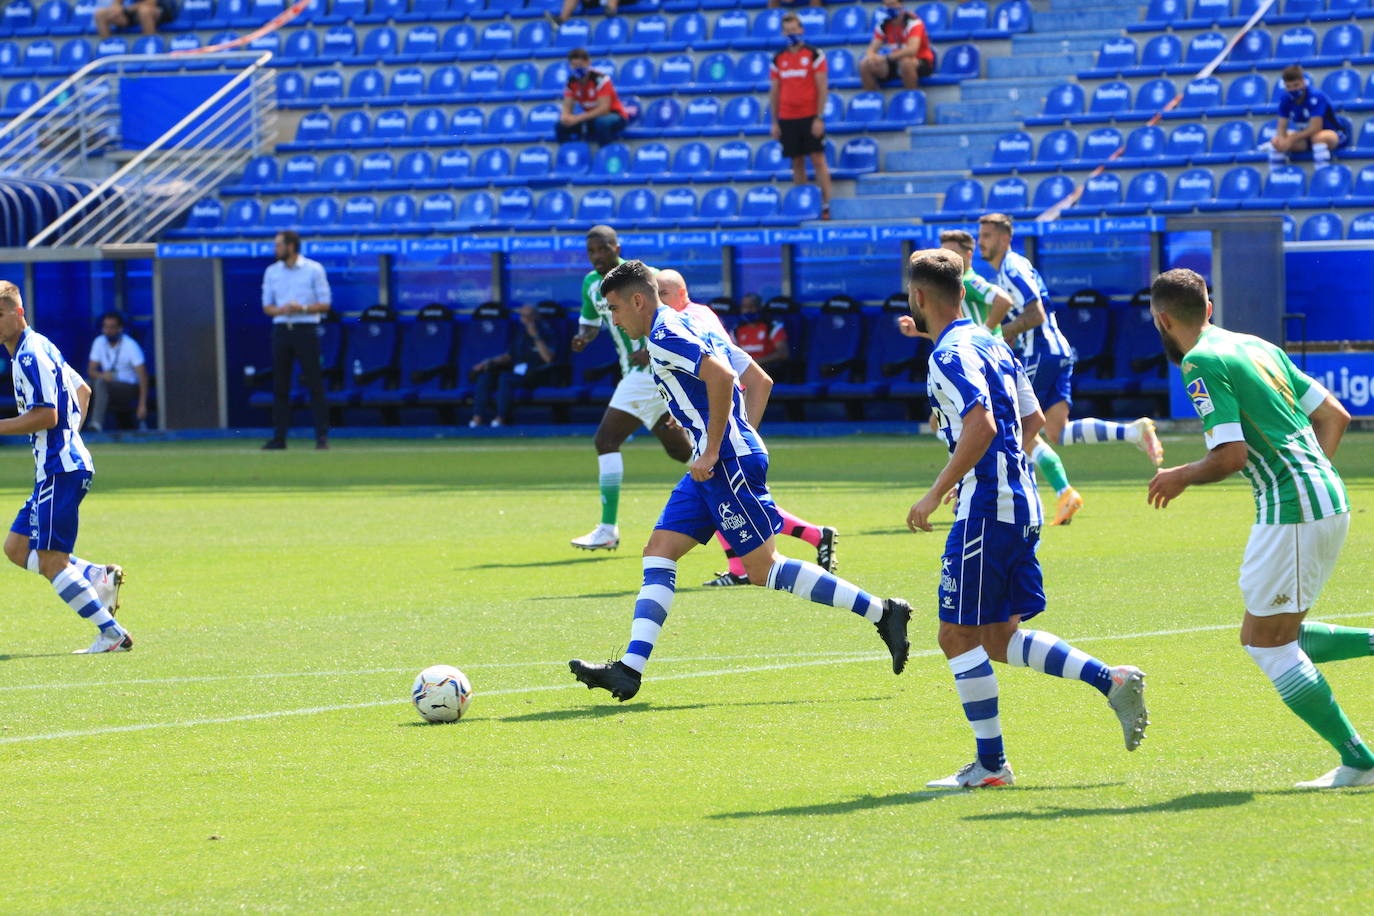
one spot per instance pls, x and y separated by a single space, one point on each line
900 48
601 116
800 81
764 340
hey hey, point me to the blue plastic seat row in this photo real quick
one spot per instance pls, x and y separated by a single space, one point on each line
512 208
1257 50
1144 147
1207 13
539 166
1240 188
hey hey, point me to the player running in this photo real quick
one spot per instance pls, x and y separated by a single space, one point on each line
672 292
1049 359
725 489
1262 417
51 399
990 578
635 400
984 303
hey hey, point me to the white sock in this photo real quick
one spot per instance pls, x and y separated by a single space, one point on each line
1276 661
1275 157
32 564
1321 154
1092 429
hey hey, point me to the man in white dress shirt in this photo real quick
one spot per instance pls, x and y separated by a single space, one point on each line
117 373
295 293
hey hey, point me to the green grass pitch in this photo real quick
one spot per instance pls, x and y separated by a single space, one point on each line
258 751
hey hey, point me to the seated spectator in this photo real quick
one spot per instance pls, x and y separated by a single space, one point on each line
800 79
1304 105
762 339
570 7
774 4
149 13
117 374
900 48
532 360
602 117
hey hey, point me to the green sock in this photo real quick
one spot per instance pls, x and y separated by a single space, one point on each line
1306 692
1324 642
1049 465
612 470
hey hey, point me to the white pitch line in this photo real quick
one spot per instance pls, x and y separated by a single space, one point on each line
313 710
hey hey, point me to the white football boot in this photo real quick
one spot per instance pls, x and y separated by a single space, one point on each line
108 585
118 641
1148 441
975 776
602 537
1340 778
1127 699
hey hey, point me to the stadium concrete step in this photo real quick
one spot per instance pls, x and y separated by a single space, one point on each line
1062 65
952 157
1079 20
869 209
922 182
1127 9
1063 42
948 147
986 110
1012 89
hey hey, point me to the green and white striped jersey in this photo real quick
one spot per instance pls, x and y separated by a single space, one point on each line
978 297
594 312
1247 390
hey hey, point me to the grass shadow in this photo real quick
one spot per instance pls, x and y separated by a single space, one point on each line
16 656
570 561
1198 801
870 802
605 709
624 594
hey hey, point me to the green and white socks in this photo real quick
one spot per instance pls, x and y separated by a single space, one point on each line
612 470
1303 689
1325 642
1050 467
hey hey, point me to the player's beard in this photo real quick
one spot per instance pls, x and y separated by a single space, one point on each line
1171 349
921 324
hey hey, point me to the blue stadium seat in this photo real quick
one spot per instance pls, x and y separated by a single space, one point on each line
497 37
741 113
1341 86
21 95
969 16
467 123
352 127
850 23
1186 141
423 43
843 71
540 121
1329 187
321 212
1232 139
359 212
963 198
635 73
657 117
54 17
416 168
1191 188
1237 186
906 108
719 206
1099 144
1146 190
1110 98
800 203
444 83
573 159
1013 149
1116 55
483 80
1153 95
1364 141
1099 192
325 86
454 166
476 209
1321 227
1362 194
1049 192
610 165
1085 320
689 30
1340 43
636 206
759 206
676 70
1201 95
492 164
534 37
314 127
399 210
77 52
243 216
437 209
339 43
11 58
815 22
1362 227
1296 45
302 47
1244 94
1057 146
376 168
1163 12
370 358
282 213
1160 53
1007 194
521 78
865 108
649 161
1211 11
957 63
40 57
596 206
858 156
459 40
1347 6
429 125
303 171
649 32
1064 100
1012 17
1203 48
936 18
337 170
367 85
731 160
19 17
206 214
108 47
751 70
1284 183
428 354
407 82
1255 46
833 353
505 121
1139 362
260 171
729 27
716 71
698 114
691 162
676 208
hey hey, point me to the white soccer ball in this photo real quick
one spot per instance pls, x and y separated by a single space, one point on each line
441 693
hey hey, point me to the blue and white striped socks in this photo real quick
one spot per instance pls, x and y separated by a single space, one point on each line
977 686
1049 654
72 587
1093 430
651 609
810 581
89 571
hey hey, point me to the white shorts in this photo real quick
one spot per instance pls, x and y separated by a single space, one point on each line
1285 566
638 395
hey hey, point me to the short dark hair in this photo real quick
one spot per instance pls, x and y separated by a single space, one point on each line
1000 220
791 17
603 233
1181 293
1292 72
292 238
10 293
579 54
937 269
112 314
630 277
963 238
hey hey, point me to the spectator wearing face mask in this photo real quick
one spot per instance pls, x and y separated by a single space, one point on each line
900 49
601 117
1313 119
800 80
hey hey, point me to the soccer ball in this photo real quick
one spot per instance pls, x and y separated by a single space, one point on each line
441 693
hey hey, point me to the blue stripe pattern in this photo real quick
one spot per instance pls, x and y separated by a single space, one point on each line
787 576
991 750
648 609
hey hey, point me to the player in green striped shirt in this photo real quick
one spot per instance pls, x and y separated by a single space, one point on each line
1263 417
984 303
636 400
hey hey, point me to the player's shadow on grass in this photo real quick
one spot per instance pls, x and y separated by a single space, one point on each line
605 710
1198 801
938 526
624 594
21 655
571 561
869 802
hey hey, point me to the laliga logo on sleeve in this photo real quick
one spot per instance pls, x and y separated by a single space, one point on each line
1202 398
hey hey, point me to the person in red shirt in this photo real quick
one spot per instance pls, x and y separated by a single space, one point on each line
800 81
602 117
900 48
764 340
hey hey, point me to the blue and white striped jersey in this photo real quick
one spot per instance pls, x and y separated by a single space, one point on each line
42 378
1024 284
969 366
677 345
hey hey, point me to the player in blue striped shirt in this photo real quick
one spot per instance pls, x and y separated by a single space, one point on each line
51 398
726 487
1031 325
990 578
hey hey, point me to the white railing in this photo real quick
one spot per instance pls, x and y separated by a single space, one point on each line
63 135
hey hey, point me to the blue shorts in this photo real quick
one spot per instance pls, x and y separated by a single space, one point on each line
735 502
49 518
1052 379
989 573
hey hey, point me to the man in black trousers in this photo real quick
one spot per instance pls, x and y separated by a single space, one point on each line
295 293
